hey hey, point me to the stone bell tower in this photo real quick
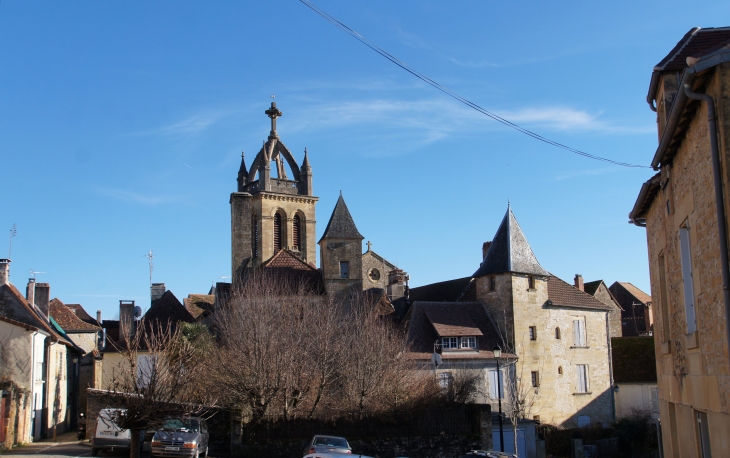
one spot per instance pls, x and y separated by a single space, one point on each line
271 213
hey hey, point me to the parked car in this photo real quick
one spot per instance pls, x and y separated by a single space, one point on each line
181 437
335 455
488 454
108 436
328 444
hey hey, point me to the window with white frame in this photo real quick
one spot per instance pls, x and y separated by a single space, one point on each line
468 342
445 380
579 332
496 389
583 385
689 294
449 342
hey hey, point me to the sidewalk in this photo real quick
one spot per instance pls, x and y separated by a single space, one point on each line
68 436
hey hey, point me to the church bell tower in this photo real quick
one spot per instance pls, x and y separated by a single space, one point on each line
271 213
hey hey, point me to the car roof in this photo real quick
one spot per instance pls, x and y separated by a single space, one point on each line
327 435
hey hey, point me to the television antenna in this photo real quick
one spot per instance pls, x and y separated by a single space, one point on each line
13 233
150 257
34 272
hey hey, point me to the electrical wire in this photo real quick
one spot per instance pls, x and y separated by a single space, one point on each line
453 94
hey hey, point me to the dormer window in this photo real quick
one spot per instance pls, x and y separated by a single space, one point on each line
456 343
449 343
468 342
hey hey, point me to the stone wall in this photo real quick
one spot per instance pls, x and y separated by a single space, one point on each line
693 369
334 251
371 261
614 317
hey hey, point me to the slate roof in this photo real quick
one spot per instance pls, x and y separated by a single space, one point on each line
375 299
167 309
422 334
67 319
592 286
638 294
563 294
199 304
694 43
510 251
81 313
634 359
341 225
443 291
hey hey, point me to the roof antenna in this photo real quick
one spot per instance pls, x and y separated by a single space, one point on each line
34 272
13 233
150 256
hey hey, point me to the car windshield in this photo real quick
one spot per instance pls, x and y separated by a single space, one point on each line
180 424
331 441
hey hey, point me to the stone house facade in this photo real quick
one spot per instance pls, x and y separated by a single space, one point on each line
684 210
600 291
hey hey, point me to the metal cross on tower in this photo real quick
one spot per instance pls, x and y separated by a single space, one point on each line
273 113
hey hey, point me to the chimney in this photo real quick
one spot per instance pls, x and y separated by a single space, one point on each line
30 291
98 317
397 284
485 249
127 324
4 271
578 282
156 291
42 296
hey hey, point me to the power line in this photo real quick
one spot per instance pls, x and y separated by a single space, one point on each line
453 94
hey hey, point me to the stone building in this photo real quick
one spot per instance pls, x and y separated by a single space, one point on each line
637 318
683 208
558 332
600 291
271 214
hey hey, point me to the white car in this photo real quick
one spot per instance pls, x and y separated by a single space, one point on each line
335 455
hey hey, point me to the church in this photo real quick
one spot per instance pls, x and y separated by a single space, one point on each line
273 226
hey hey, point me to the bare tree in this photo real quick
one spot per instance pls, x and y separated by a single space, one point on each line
157 377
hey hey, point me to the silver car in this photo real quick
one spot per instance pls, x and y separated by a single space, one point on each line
328 444
181 437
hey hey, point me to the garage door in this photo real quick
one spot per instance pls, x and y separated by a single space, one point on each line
509 442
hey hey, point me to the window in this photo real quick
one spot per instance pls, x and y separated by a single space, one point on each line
666 332
582 378
535 375
445 380
344 269
468 342
496 389
557 333
254 236
297 233
530 282
560 370
278 239
449 342
533 333
584 421
703 434
579 332
689 295
492 284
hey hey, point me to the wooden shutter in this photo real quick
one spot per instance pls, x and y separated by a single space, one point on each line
495 389
277 232
689 295
296 232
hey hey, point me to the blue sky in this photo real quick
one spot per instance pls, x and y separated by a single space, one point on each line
122 125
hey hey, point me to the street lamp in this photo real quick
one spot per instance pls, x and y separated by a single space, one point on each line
497 354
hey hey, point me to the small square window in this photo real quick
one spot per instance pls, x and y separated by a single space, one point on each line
468 342
344 269
533 333
531 282
449 342
535 378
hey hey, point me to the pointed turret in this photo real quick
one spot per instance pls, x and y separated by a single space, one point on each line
305 176
510 251
341 224
242 174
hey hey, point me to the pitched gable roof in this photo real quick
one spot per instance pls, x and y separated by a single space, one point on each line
510 251
695 42
592 286
288 266
199 304
563 294
167 309
67 319
341 225
14 306
81 313
422 334
638 294
453 321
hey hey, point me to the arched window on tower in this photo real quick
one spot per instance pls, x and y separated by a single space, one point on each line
254 236
297 233
278 239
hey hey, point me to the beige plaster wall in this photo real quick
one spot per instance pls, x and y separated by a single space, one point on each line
58 366
634 396
19 345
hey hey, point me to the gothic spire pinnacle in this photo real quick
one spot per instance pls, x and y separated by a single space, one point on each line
305 163
273 113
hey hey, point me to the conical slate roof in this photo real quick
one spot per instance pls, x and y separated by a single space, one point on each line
510 251
341 224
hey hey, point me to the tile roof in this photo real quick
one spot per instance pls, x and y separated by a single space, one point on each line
67 319
634 359
81 313
14 306
443 291
694 43
510 251
288 266
452 321
199 304
422 334
640 295
563 294
341 225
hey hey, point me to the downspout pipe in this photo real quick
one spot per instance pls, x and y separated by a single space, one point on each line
719 198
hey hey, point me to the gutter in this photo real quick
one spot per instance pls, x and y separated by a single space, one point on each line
645 188
719 197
